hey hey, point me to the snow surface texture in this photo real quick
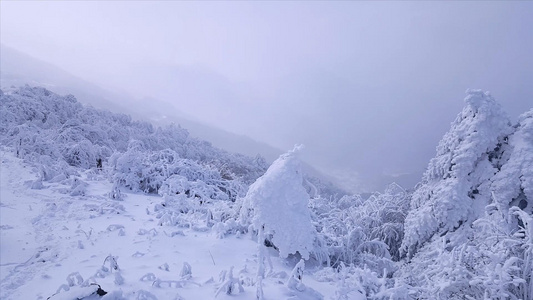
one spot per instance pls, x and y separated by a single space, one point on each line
278 202
57 244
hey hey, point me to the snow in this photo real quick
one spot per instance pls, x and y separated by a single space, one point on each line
47 235
93 202
456 185
465 234
516 176
279 202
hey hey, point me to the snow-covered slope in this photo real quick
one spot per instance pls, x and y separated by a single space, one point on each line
74 209
56 244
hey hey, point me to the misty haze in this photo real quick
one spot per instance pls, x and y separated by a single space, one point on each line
266 150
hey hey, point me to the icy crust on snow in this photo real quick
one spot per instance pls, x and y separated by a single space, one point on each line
279 202
456 185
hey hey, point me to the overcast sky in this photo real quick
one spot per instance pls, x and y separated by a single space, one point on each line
368 87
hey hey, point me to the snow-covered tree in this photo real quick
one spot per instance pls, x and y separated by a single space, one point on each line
456 186
513 185
52 130
476 194
278 202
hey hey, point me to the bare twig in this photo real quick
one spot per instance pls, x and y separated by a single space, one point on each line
212 257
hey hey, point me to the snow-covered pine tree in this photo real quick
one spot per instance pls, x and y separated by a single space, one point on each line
278 202
455 187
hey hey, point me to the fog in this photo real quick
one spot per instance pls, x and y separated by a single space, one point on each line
368 87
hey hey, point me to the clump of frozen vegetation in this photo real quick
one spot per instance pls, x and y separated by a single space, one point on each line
63 136
464 232
365 231
278 203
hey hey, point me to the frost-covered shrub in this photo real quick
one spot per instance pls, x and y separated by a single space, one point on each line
229 284
363 232
383 216
166 173
80 154
278 202
78 187
495 264
31 143
37 122
128 167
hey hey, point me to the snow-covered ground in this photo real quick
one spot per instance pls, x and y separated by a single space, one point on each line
54 243
68 230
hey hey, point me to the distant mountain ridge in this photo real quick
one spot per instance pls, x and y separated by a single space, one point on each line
18 69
